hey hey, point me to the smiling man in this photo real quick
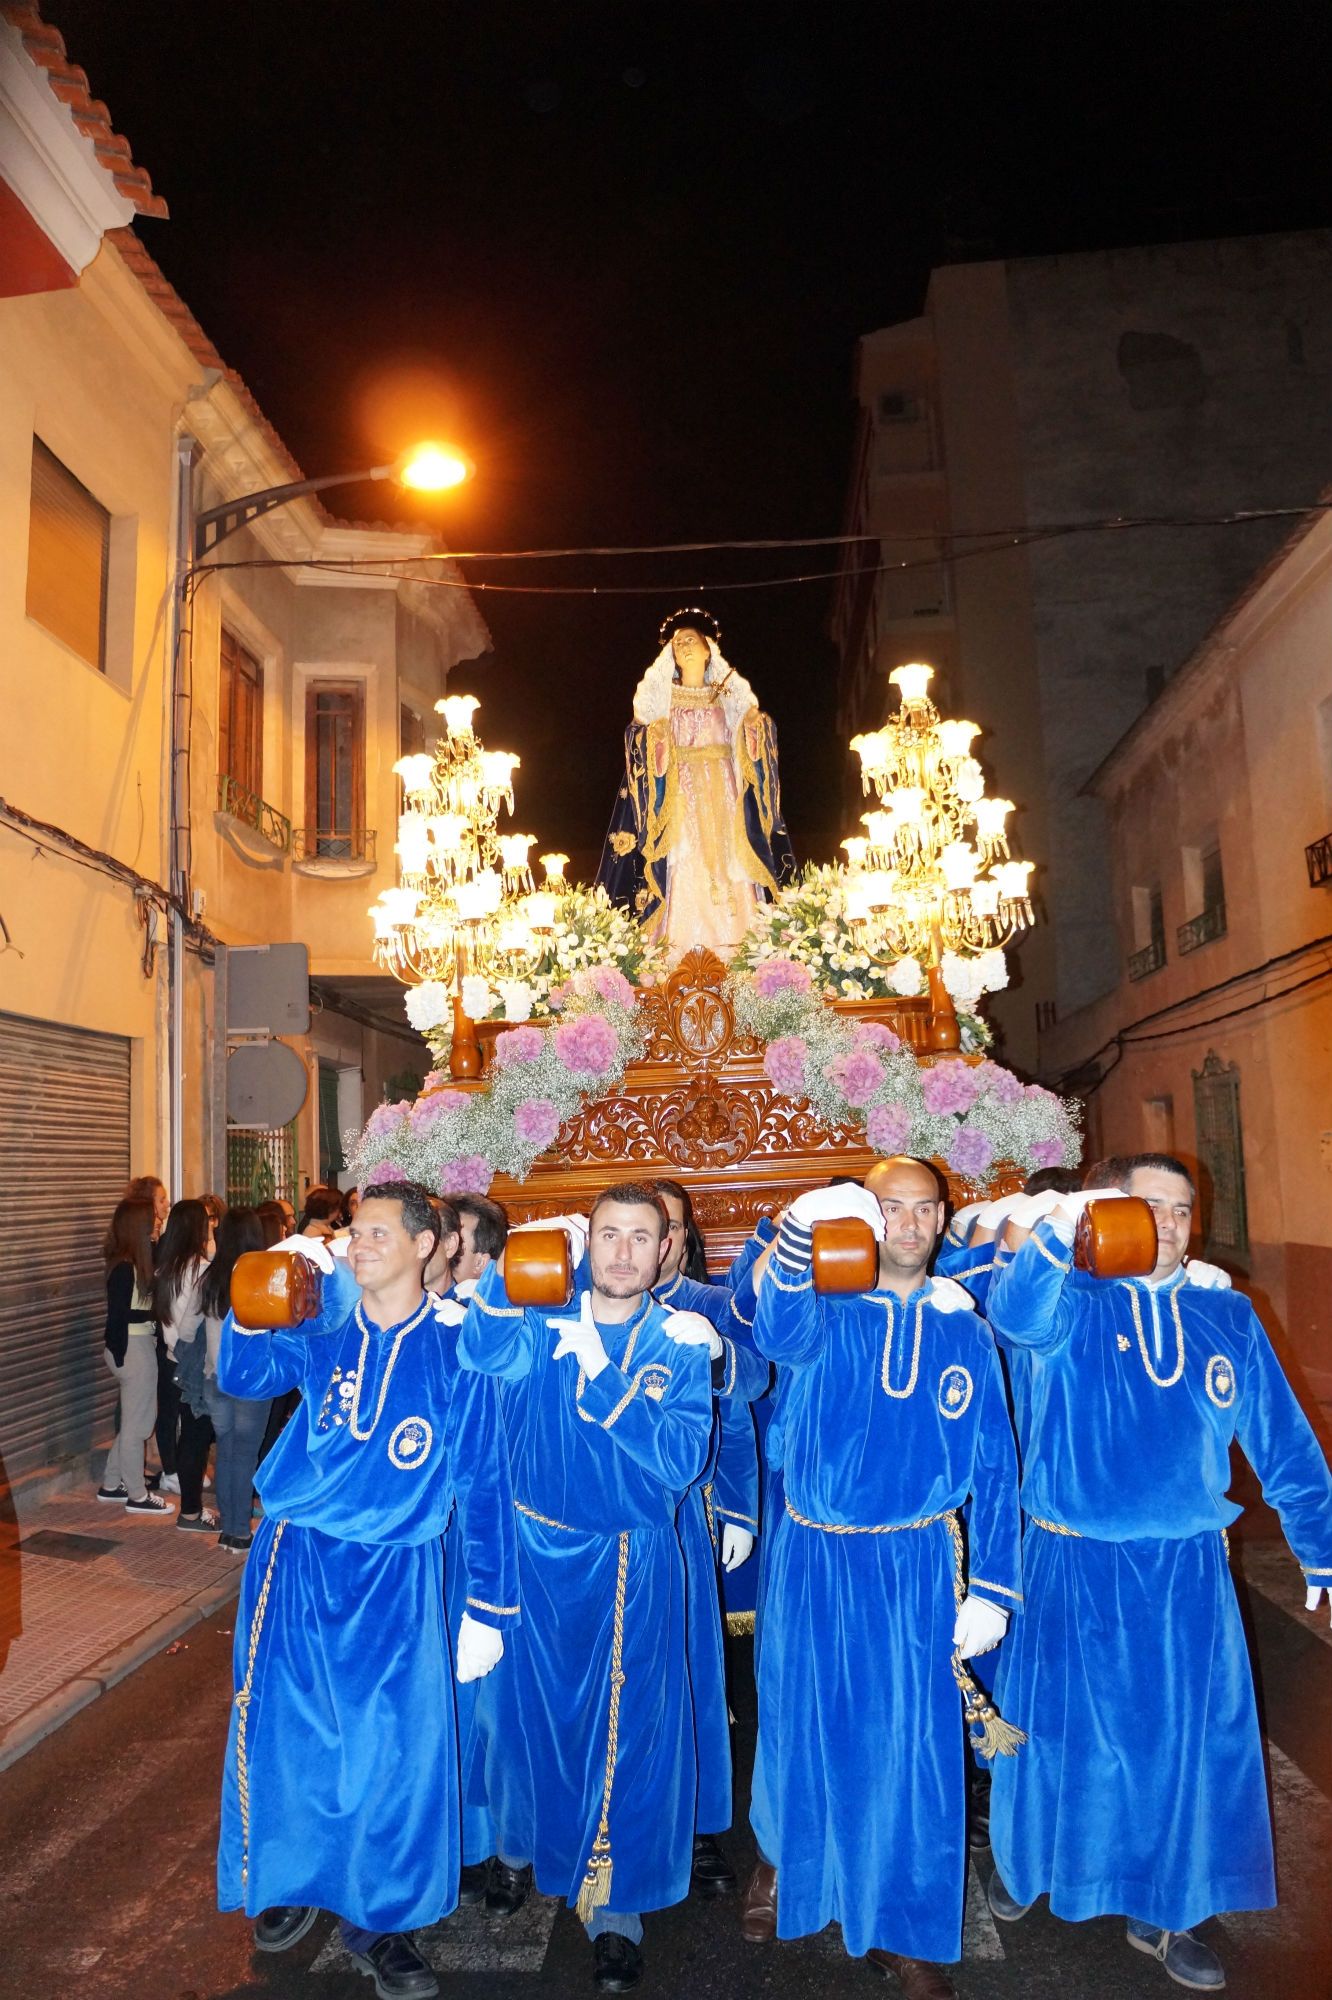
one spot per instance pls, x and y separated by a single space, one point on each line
893 1413
590 1766
1141 1791
341 1788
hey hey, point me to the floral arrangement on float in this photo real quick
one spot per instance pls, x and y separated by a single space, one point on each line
861 1074
808 922
588 933
456 1141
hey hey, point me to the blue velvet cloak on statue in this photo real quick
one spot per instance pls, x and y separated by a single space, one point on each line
892 1414
725 1490
640 885
341 1779
592 1776
1141 1791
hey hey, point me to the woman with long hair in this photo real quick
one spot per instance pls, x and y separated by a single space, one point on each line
183 1257
273 1220
131 1355
238 1424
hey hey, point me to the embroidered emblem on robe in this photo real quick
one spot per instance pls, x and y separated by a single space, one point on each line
1219 1381
409 1446
955 1390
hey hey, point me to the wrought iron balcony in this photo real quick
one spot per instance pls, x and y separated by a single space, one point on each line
335 856
248 809
1202 929
1319 857
1150 959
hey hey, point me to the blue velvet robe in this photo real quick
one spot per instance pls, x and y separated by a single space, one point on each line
1141 1791
599 1470
892 1414
725 1490
350 1751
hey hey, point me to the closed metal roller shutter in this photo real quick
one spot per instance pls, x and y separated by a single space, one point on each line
64 1139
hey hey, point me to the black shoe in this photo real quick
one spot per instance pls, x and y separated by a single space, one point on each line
617 1963
509 1888
397 1968
283 1926
712 1873
473 1881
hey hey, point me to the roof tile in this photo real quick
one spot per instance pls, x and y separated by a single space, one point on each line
45 46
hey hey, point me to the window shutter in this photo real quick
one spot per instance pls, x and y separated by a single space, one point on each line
68 544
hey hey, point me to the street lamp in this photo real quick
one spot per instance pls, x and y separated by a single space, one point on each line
424 468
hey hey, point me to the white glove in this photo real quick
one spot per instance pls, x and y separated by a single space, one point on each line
466 1288
961 1223
979 1627
992 1215
1313 1596
580 1337
480 1647
314 1249
448 1311
1210 1277
825 1204
574 1227
947 1296
736 1545
693 1330
1026 1210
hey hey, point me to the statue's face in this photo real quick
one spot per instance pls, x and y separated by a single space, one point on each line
690 651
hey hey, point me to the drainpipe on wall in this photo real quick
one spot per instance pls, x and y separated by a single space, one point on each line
178 805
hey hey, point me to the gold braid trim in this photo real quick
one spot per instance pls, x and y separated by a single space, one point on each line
596 1889
710 1515
499 1610
545 1519
991 1736
661 827
1054 1527
739 1623
496 1312
841 1528
244 1695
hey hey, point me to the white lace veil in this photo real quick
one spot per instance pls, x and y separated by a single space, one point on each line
652 696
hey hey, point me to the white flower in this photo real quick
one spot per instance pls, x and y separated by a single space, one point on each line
517 996
962 978
477 997
906 977
992 969
427 1005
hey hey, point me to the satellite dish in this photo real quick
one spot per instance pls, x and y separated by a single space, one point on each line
266 1084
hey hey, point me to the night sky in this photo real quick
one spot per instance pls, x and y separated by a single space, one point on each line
622 254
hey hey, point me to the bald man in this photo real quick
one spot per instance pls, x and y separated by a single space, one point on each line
894 1413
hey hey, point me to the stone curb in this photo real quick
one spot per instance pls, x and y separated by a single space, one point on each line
105 1673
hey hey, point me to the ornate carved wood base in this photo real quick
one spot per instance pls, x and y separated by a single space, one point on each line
699 1109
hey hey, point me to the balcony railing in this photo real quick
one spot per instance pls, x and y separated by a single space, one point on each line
338 855
249 809
1150 959
1319 857
1202 929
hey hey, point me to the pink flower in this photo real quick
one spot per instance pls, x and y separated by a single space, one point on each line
874 1035
970 1152
858 1074
781 975
536 1121
435 1079
587 1045
518 1045
428 1111
997 1083
1034 1094
785 1063
385 1118
385 1171
606 982
1048 1153
470 1175
947 1087
887 1127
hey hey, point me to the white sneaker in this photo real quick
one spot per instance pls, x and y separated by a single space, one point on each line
151 1508
169 1483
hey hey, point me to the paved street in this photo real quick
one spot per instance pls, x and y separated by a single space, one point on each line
108 1829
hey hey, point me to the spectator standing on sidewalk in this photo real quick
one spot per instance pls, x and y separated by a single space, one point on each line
238 1421
183 1257
131 1357
147 1187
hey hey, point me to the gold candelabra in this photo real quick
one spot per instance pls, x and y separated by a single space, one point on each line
932 872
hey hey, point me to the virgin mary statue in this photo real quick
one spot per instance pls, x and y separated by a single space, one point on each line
696 839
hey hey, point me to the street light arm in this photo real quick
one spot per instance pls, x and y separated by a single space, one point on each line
219 522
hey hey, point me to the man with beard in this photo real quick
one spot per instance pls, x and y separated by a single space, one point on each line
590 1766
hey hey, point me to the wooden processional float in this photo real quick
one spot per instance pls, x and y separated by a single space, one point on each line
278 1288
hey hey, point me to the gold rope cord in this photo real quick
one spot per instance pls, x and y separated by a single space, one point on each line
595 1891
989 1732
243 1698
840 1527
710 1513
1054 1527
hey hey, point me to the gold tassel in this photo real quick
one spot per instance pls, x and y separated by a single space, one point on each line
991 1735
594 1892
596 1887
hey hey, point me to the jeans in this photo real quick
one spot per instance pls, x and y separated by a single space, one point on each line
239 1428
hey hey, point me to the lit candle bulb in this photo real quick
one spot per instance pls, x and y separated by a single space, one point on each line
539 909
415 772
857 847
959 863
457 711
554 865
912 681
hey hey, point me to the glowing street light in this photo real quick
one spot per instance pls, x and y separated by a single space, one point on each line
432 468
